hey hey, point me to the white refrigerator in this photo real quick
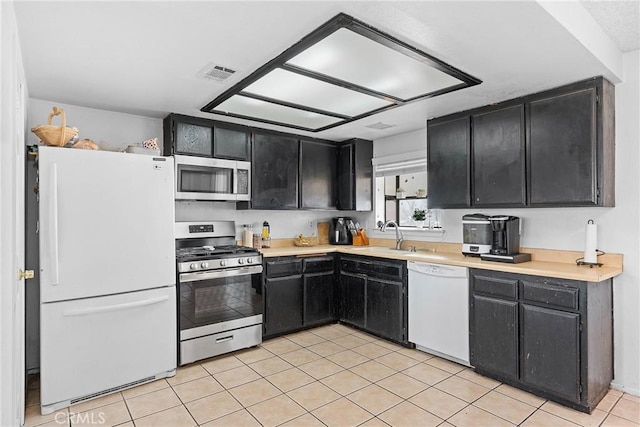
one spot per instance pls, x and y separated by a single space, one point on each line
107 273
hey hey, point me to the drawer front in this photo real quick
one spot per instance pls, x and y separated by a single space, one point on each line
550 294
375 267
317 264
499 287
279 267
216 344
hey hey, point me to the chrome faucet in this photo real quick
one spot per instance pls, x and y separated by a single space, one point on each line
399 236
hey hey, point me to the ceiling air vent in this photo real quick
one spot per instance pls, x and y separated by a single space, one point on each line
380 126
217 72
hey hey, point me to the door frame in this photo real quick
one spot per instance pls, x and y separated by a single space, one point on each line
12 205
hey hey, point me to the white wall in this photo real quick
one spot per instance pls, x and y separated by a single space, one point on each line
112 131
405 142
283 224
563 228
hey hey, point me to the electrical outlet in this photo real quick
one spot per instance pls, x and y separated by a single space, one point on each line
310 223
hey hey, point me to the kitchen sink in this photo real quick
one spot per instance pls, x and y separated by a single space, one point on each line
385 249
420 254
381 249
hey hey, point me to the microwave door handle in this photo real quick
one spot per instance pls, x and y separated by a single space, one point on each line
235 180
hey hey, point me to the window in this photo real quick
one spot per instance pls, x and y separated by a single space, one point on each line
398 196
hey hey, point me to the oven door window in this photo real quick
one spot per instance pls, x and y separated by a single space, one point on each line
205 302
205 179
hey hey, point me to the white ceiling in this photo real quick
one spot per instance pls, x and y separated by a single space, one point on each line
146 58
618 19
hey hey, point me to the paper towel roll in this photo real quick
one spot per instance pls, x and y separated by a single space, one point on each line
591 242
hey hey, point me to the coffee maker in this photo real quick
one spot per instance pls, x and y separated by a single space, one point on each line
341 231
476 234
505 240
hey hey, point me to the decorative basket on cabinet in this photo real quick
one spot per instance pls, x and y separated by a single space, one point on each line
55 135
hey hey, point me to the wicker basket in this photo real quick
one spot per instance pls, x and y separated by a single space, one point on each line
305 241
55 135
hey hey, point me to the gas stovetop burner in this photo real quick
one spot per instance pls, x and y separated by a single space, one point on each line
201 258
210 251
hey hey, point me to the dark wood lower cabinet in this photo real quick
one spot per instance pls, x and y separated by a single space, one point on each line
551 337
283 300
318 298
384 307
298 293
494 341
551 350
374 296
353 287
369 293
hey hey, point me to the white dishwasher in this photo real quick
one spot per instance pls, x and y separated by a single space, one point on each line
439 310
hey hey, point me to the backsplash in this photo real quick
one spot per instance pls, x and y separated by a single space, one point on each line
283 224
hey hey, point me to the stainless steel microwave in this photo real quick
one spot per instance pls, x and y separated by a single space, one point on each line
201 178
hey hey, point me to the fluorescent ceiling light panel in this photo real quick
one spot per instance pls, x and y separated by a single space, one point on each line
351 57
245 107
295 88
343 71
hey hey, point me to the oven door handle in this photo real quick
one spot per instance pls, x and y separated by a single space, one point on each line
206 275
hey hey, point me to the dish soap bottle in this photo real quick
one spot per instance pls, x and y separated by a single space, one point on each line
266 239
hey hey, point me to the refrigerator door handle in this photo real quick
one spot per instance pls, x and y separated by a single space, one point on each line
53 214
107 308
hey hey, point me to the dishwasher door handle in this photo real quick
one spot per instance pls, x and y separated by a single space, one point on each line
437 270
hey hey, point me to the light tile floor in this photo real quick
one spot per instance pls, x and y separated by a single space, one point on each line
334 376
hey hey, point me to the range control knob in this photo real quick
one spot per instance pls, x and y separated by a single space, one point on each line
223 263
192 266
204 265
240 260
249 260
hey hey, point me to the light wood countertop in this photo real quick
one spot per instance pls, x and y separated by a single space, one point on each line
548 263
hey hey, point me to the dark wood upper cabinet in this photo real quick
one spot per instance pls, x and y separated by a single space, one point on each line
195 136
275 172
288 171
448 162
318 162
570 146
355 175
231 143
187 135
498 160
549 149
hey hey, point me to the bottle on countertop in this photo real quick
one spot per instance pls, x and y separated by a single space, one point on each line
247 235
266 235
257 241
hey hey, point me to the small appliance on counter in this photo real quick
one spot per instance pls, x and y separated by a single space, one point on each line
342 231
505 241
476 234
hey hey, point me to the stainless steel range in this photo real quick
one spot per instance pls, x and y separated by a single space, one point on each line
219 291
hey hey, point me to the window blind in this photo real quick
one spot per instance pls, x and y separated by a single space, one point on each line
400 164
